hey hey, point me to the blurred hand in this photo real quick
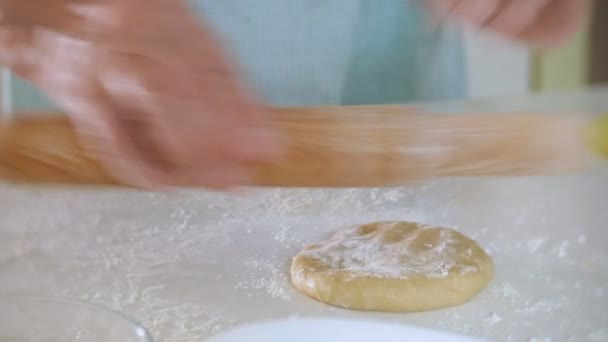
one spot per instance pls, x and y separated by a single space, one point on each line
146 85
540 23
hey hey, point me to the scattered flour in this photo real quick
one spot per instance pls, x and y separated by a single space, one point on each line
492 319
286 237
535 244
268 276
506 290
581 239
598 336
562 249
543 306
124 250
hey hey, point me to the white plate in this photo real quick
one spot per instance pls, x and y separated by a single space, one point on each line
334 330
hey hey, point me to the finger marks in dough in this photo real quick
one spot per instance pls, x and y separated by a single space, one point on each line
393 266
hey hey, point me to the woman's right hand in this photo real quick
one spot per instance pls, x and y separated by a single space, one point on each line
540 23
146 85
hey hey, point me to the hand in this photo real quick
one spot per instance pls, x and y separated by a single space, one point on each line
541 23
146 85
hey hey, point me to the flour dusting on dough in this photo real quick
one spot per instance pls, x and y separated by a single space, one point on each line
364 256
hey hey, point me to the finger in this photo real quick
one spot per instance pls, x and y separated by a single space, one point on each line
197 126
243 131
146 137
557 23
248 133
478 12
517 16
442 8
177 143
213 78
97 129
138 112
138 89
203 135
105 138
175 137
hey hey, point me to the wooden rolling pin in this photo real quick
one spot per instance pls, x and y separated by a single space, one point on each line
354 146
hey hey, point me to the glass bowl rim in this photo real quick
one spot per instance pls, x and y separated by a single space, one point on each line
135 325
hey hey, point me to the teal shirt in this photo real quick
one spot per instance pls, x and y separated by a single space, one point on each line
311 52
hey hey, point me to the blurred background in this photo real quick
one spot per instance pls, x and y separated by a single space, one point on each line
497 68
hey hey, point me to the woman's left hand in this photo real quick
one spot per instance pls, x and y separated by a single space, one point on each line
540 23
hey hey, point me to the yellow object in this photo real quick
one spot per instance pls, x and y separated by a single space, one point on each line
565 68
598 135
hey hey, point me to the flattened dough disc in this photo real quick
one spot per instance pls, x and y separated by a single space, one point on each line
393 266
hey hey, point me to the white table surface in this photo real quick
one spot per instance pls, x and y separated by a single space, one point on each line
188 265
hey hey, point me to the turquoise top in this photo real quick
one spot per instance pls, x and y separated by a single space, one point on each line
309 52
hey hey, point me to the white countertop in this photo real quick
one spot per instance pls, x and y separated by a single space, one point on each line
189 265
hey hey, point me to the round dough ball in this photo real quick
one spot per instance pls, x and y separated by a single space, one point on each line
393 266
